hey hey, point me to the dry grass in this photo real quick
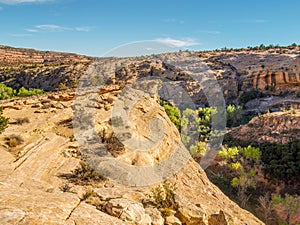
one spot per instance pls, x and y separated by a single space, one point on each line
14 140
21 121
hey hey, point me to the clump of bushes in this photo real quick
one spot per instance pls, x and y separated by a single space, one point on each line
8 92
163 196
14 140
250 95
83 175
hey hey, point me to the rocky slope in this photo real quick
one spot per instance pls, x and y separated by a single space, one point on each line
280 127
243 75
37 69
41 178
40 185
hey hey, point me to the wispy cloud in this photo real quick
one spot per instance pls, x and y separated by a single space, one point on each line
209 31
172 20
32 30
20 35
52 28
56 28
84 29
255 21
11 2
177 43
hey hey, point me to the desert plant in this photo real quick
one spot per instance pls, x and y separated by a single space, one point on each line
163 195
86 173
65 187
14 141
265 206
290 203
88 194
3 121
21 121
173 112
8 92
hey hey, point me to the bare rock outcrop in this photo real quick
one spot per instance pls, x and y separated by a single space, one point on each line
280 127
41 180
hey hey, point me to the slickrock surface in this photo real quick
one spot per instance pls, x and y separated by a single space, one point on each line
38 184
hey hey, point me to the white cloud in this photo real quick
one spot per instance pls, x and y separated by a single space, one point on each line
32 30
56 28
177 43
172 20
85 29
256 21
210 31
52 28
22 1
20 35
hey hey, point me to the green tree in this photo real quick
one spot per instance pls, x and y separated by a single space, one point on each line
174 114
243 182
6 92
242 173
234 115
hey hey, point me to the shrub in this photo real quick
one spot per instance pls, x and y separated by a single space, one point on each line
14 141
290 203
198 150
21 121
250 95
163 195
234 115
174 114
23 92
85 172
3 121
8 92
88 194
281 162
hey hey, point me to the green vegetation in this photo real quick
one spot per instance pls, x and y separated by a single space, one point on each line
163 196
281 162
240 162
23 92
250 95
173 112
260 47
289 203
8 92
241 174
3 121
194 125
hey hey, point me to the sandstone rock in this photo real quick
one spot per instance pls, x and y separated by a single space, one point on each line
87 214
172 220
31 182
188 213
220 218
128 210
273 127
30 102
155 215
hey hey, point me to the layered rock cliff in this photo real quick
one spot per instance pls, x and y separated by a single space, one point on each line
243 75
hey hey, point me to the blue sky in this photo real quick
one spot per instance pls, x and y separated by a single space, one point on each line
95 27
